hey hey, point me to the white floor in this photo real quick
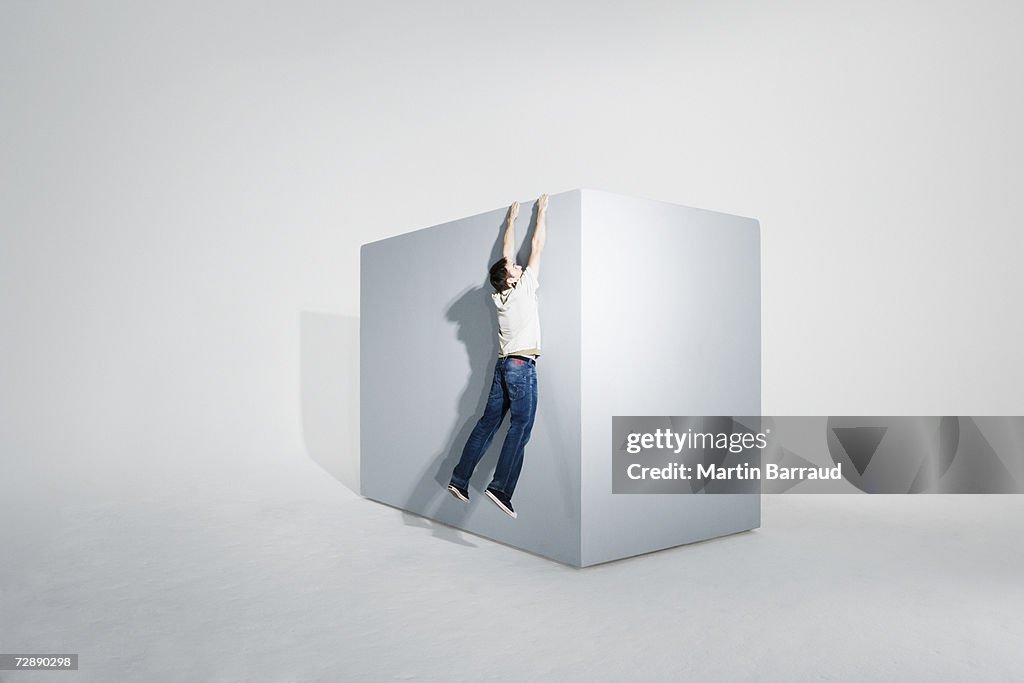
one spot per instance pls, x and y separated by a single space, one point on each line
313 583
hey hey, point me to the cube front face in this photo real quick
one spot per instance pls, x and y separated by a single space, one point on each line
428 345
646 308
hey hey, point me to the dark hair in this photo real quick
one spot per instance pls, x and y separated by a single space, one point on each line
500 275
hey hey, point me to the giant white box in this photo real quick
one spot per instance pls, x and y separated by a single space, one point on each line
647 308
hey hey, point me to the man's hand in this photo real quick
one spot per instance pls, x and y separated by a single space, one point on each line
542 203
513 212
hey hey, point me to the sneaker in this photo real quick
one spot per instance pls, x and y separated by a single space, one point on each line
502 501
461 494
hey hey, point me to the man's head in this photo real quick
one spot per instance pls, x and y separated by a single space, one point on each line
504 274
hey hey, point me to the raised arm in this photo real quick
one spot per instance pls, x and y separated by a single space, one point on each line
509 248
540 234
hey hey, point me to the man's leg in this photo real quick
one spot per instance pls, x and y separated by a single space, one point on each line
483 432
521 380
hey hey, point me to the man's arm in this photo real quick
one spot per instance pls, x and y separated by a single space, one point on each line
509 248
540 234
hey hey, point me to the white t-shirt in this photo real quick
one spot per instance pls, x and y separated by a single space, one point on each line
518 320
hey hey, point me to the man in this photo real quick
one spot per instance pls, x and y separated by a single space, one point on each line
514 387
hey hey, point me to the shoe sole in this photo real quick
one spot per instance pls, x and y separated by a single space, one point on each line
457 494
501 506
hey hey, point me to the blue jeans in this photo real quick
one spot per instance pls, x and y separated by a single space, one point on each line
513 389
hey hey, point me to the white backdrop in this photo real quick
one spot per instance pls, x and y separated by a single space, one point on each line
184 188
181 184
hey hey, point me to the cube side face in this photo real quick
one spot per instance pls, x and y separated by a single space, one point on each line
671 325
428 347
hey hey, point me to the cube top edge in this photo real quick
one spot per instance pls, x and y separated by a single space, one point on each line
590 190
581 191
